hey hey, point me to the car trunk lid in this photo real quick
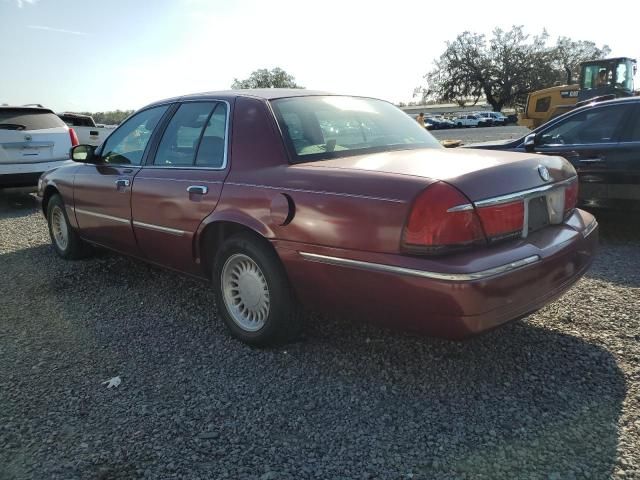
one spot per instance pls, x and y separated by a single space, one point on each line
478 174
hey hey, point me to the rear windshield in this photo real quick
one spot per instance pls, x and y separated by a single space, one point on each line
28 119
322 127
76 121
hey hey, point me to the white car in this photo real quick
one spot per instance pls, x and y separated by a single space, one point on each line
469 121
89 133
32 141
495 118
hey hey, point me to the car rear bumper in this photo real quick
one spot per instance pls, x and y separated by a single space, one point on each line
453 298
26 174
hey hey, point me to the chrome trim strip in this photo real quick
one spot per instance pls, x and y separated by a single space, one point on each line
322 192
461 208
454 277
590 228
159 228
511 197
102 215
200 180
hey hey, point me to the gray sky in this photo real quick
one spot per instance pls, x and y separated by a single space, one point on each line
102 55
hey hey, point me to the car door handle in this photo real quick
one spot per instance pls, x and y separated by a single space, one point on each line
122 183
199 189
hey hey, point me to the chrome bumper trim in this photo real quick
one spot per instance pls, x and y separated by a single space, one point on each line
590 228
453 277
511 197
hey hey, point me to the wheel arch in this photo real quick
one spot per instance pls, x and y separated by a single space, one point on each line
49 192
214 232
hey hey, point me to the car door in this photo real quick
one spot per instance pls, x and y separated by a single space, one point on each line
590 140
623 169
181 183
102 191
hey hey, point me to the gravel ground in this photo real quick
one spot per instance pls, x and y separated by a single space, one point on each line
485 134
556 396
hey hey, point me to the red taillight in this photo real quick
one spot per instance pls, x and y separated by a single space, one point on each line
570 196
433 228
502 221
74 137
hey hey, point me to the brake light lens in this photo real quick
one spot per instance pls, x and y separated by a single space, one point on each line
433 228
502 221
570 197
74 137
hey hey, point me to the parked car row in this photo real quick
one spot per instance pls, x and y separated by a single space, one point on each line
289 198
474 119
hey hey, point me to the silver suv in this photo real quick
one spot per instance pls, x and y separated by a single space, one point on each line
32 141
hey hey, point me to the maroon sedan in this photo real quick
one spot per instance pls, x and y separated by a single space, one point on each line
291 197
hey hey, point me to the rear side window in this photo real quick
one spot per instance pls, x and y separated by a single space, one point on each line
195 136
633 133
74 121
28 119
211 149
597 125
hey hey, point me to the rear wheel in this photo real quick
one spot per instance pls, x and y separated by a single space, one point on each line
66 241
252 292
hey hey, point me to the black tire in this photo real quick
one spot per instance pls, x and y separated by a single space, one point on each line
75 247
283 320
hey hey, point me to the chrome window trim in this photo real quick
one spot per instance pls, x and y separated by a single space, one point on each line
226 139
521 195
159 228
101 215
321 192
452 277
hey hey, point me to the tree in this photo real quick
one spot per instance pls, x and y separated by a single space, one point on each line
114 117
264 78
504 68
568 54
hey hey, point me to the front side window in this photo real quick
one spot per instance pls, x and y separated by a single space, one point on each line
597 125
322 127
126 145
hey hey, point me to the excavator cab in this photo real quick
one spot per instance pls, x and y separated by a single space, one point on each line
608 78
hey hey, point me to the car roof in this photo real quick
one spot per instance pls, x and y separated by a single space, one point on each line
26 107
264 93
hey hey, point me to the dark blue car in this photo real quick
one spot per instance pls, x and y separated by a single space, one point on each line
602 141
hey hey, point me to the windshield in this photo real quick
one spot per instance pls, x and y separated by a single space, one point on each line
318 128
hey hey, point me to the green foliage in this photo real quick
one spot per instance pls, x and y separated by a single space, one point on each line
264 78
504 68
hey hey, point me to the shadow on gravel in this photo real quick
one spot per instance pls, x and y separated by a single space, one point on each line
519 402
17 202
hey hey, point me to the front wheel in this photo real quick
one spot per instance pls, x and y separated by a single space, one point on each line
253 293
66 241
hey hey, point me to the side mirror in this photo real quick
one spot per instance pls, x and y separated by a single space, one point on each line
530 142
83 153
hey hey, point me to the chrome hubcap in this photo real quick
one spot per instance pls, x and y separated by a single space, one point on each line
245 291
59 228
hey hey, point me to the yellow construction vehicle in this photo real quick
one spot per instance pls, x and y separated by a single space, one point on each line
599 80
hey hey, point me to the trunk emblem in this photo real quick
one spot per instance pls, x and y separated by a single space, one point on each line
27 138
544 173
